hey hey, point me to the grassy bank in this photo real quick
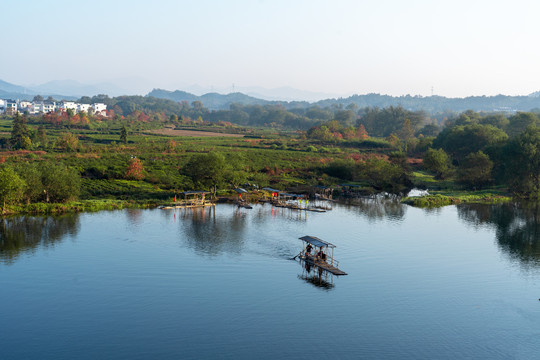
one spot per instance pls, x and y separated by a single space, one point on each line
77 206
437 200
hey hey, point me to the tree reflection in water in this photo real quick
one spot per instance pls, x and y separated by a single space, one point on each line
209 234
378 207
25 233
517 228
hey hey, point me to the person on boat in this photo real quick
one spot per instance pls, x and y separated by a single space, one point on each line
321 255
308 249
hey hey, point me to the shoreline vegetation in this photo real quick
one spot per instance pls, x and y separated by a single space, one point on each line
145 151
92 205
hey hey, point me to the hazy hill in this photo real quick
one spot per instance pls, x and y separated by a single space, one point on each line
70 90
430 104
213 101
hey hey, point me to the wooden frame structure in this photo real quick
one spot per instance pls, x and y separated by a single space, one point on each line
191 199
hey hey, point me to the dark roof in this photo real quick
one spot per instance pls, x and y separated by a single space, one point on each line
291 195
194 192
350 185
315 241
271 190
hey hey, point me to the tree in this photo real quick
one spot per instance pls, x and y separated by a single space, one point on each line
60 183
459 141
522 162
11 186
33 189
20 135
520 122
207 170
37 98
42 135
68 142
475 170
135 170
123 134
406 132
438 162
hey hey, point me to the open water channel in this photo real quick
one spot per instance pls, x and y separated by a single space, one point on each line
455 282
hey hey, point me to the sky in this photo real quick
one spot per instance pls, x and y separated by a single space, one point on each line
452 48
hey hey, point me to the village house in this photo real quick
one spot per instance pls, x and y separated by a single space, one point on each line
43 107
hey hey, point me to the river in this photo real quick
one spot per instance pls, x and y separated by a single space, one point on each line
453 282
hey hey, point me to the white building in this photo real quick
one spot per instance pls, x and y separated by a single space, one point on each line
83 107
37 108
65 105
11 107
24 105
99 109
2 106
49 106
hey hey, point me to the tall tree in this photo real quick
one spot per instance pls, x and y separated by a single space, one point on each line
11 186
522 163
20 135
475 170
123 134
208 170
439 162
520 122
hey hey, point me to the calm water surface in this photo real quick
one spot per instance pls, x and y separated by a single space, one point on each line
456 282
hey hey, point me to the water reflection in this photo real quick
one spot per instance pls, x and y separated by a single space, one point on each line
378 208
209 234
316 276
24 234
517 228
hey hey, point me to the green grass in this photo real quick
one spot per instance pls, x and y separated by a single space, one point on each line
77 206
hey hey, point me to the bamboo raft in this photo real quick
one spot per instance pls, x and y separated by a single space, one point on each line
331 265
322 265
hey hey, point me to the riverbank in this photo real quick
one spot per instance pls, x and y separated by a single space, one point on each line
78 206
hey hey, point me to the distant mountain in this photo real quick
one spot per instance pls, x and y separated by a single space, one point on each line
430 104
438 104
10 88
75 88
285 93
212 101
71 90
14 92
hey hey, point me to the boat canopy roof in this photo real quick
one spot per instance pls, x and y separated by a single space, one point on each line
240 190
315 241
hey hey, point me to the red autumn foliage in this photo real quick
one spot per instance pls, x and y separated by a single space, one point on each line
135 170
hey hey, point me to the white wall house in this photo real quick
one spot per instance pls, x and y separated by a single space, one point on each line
24 105
99 108
83 107
37 108
49 107
67 105
11 106
43 107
